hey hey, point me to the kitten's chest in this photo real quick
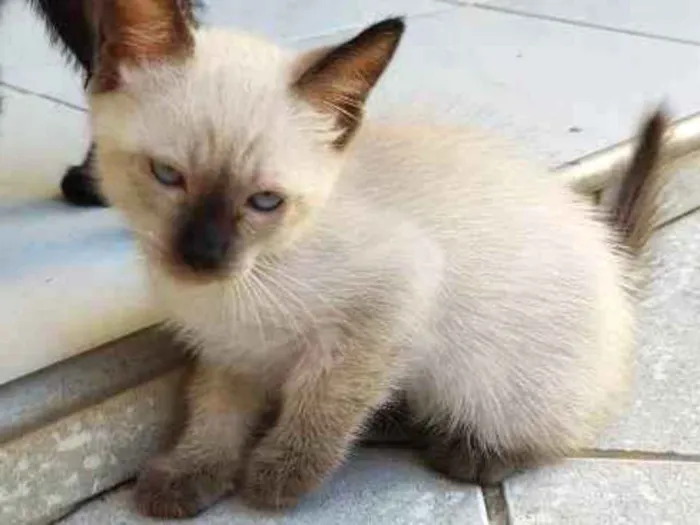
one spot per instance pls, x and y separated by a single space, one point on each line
255 326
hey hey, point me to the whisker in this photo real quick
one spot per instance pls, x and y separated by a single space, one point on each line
260 276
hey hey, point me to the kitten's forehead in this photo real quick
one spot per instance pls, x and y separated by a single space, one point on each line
227 100
226 113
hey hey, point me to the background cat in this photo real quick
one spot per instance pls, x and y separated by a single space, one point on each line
70 28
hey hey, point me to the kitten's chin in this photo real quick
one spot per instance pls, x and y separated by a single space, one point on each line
185 275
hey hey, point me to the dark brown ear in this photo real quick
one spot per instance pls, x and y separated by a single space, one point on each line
133 31
340 80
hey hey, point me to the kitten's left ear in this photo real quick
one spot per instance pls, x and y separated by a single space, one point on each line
338 81
136 31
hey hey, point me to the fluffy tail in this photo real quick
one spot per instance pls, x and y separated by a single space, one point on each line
635 207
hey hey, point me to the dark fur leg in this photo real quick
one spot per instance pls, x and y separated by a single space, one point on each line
390 426
69 27
223 410
464 458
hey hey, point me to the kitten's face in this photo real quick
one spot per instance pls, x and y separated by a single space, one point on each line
224 148
214 161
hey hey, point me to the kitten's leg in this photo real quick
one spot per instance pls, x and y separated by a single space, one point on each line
223 409
464 457
391 426
322 411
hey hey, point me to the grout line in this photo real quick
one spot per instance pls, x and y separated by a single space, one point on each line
497 511
635 455
44 96
575 23
77 506
677 218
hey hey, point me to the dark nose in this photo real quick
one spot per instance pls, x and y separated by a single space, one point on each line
204 237
204 247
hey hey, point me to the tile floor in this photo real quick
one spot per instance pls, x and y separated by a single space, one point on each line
562 78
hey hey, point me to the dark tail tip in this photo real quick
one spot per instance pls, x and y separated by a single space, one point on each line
635 207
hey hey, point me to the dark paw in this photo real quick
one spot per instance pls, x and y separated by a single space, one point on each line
164 491
466 459
277 477
478 469
79 187
391 426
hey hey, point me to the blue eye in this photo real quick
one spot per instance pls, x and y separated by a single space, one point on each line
167 175
265 201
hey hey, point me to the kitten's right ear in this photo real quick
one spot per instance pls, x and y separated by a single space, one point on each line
338 81
135 31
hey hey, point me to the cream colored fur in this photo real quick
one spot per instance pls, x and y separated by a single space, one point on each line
498 295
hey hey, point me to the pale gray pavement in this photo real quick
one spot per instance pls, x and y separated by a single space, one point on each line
562 78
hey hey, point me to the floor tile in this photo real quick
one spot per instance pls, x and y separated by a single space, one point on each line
39 139
376 488
682 193
560 91
674 19
70 278
664 414
28 61
606 492
294 19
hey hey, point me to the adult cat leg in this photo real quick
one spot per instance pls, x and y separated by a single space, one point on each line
223 409
68 24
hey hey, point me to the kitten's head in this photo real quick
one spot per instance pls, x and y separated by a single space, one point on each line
217 146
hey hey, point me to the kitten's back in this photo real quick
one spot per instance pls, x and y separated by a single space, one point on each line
533 327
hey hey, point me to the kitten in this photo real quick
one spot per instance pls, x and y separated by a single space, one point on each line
323 269
69 26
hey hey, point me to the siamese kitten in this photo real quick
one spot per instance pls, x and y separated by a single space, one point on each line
323 268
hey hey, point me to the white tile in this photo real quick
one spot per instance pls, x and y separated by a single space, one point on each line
562 91
682 194
293 19
663 415
39 139
27 60
376 488
606 492
69 278
675 19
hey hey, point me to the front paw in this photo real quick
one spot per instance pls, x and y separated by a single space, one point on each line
165 489
279 474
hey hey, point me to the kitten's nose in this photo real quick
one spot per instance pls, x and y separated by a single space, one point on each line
204 234
204 248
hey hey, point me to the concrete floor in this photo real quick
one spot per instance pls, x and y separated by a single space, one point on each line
562 78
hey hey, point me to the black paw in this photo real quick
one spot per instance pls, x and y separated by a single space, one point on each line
79 187
476 470
465 459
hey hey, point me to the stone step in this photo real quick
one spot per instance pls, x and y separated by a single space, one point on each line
80 427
